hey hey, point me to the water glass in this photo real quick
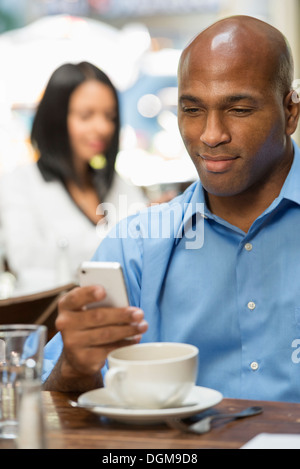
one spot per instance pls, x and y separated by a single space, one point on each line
21 363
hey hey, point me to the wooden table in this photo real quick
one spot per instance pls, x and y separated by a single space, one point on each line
70 428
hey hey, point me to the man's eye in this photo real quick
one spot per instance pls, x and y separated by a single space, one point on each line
242 111
191 110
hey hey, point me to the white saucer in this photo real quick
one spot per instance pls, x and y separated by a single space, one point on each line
204 399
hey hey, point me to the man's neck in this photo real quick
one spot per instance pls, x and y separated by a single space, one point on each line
239 211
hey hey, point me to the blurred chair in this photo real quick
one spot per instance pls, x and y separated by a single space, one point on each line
38 308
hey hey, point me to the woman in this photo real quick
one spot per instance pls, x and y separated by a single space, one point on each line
50 210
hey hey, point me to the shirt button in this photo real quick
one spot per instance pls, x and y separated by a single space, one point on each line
251 305
254 366
248 247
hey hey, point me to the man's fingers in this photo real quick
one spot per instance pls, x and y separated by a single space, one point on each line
89 334
98 317
103 336
79 297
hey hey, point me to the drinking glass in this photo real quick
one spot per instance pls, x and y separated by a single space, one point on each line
21 363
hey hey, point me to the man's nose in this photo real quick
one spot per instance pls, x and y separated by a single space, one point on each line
215 132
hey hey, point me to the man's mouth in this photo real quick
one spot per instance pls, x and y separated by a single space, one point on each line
218 164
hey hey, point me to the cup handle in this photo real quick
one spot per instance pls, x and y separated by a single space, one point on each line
113 382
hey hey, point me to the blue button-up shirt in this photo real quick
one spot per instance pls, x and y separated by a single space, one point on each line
236 296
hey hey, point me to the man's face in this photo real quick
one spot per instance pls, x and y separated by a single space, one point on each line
232 121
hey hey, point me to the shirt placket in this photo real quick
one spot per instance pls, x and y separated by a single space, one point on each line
250 313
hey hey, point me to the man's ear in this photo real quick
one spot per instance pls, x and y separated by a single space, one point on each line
292 110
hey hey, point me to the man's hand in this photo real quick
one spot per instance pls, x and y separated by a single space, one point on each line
88 336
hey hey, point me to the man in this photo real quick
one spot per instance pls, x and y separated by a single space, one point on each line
233 290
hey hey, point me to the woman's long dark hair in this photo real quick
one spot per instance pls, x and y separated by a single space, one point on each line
49 133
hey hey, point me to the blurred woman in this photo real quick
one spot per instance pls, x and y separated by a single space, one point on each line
50 210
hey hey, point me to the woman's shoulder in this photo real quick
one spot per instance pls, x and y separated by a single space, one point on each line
27 180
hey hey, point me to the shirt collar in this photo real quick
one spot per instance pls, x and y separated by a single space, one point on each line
291 187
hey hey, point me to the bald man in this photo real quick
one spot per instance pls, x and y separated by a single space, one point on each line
219 266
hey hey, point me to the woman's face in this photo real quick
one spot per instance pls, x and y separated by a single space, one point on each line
91 119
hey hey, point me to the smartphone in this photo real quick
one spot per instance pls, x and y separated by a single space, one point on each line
110 276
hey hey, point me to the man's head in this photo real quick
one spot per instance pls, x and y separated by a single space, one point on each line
236 115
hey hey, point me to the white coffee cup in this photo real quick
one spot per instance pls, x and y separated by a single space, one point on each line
153 375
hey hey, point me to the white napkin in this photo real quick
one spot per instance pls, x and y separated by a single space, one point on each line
276 441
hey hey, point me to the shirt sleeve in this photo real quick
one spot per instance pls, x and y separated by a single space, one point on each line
52 352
